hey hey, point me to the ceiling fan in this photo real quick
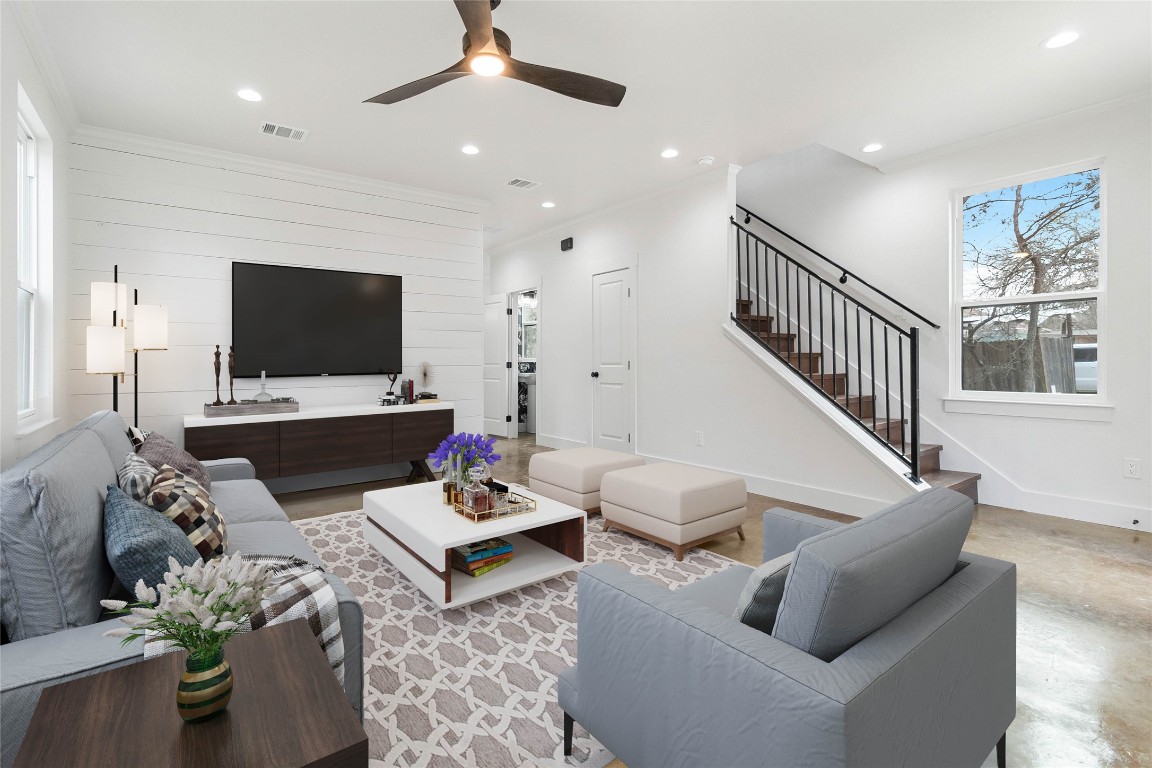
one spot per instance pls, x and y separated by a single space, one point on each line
488 52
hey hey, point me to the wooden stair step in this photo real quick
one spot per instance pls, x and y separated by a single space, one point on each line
961 482
781 342
805 362
930 458
832 383
861 406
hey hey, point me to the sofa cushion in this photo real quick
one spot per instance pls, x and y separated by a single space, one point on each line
158 450
186 503
760 599
109 427
719 591
53 571
135 477
246 501
269 538
848 582
139 540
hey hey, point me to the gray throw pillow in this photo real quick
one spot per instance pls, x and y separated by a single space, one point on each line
760 598
135 476
139 540
158 450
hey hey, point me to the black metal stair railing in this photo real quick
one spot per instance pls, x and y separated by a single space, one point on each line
859 360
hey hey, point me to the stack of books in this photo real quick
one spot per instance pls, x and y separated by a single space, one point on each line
479 557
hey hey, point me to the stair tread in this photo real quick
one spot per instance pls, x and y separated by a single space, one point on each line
948 477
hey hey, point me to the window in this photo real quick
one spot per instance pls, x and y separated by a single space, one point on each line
1030 294
27 270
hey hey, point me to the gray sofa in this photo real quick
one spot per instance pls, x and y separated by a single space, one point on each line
53 571
669 678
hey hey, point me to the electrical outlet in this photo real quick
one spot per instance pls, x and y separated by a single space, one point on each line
700 438
1130 468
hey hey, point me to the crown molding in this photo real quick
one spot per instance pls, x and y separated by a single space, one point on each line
120 141
37 42
1139 98
699 179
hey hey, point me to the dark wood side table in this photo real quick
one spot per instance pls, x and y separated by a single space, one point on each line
287 710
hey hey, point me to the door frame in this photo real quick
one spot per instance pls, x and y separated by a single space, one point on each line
631 351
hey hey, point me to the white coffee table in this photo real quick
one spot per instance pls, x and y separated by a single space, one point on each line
416 532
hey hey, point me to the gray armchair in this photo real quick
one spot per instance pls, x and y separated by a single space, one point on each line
669 678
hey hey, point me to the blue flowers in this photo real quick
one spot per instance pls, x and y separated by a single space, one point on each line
473 450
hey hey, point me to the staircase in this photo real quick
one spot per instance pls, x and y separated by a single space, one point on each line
857 359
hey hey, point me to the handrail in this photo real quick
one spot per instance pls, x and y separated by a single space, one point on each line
774 293
845 273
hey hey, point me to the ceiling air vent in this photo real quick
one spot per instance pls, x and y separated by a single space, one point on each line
523 184
283 131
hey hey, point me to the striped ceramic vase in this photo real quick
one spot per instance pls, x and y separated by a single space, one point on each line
205 687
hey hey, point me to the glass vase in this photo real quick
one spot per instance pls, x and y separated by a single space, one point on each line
476 494
205 687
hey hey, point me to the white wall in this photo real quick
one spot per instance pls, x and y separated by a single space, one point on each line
893 229
689 376
18 68
174 218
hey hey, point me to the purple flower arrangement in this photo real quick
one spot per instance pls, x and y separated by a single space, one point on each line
462 451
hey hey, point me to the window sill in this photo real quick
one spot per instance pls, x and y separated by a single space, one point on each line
32 425
1031 410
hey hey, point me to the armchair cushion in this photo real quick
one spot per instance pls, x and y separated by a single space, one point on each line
760 599
848 582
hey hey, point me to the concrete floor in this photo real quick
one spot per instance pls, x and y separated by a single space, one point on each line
1084 619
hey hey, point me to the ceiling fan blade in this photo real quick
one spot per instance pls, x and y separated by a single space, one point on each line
416 87
574 84
477 18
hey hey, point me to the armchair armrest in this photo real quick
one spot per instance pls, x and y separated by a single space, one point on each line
785 529
29 666
230 469
662 680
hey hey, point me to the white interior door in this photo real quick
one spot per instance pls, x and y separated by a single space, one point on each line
612 403
497 367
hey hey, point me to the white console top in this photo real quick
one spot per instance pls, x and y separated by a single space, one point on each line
321 412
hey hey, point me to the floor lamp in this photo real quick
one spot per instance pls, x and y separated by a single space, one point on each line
106 336
149 332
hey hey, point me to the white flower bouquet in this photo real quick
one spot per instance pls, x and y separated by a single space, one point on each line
198 607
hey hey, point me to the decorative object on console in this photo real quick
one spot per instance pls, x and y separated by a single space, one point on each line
220 595
254 407
262 396
216 367
186 503
231 374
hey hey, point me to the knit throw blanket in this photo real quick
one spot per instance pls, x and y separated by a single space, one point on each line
299 591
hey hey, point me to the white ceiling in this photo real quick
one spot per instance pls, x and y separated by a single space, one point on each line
737 80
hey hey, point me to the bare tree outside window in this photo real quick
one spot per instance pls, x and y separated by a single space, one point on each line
1030 286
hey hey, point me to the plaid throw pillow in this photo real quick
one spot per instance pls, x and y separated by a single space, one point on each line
185 502
137 436
135 477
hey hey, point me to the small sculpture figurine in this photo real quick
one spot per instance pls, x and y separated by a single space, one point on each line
231 370
216 366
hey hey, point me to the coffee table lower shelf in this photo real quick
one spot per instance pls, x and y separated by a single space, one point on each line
531 562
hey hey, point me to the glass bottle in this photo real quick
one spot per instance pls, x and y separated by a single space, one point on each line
476 494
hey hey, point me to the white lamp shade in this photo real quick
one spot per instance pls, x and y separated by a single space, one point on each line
106 299
105 349
150 327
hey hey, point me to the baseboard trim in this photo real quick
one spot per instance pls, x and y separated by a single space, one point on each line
551 441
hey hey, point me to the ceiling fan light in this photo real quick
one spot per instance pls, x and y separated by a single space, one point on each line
486 64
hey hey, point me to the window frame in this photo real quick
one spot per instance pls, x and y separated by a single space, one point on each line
958 303
28 259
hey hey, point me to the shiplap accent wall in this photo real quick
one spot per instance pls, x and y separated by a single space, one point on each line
175 219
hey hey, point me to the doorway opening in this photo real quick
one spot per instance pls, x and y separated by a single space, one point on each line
526 311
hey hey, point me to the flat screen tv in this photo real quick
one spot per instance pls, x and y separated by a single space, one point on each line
293 321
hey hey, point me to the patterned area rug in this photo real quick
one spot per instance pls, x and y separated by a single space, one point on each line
476 686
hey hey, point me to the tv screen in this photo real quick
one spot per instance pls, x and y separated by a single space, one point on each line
293 321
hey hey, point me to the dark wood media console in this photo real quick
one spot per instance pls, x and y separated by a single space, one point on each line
322 440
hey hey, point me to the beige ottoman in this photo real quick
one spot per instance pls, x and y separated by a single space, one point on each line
572 475
676 505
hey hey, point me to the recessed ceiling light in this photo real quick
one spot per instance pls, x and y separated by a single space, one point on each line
470 149
548 204
1062 39
872 147
487 64
249 95
669 153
